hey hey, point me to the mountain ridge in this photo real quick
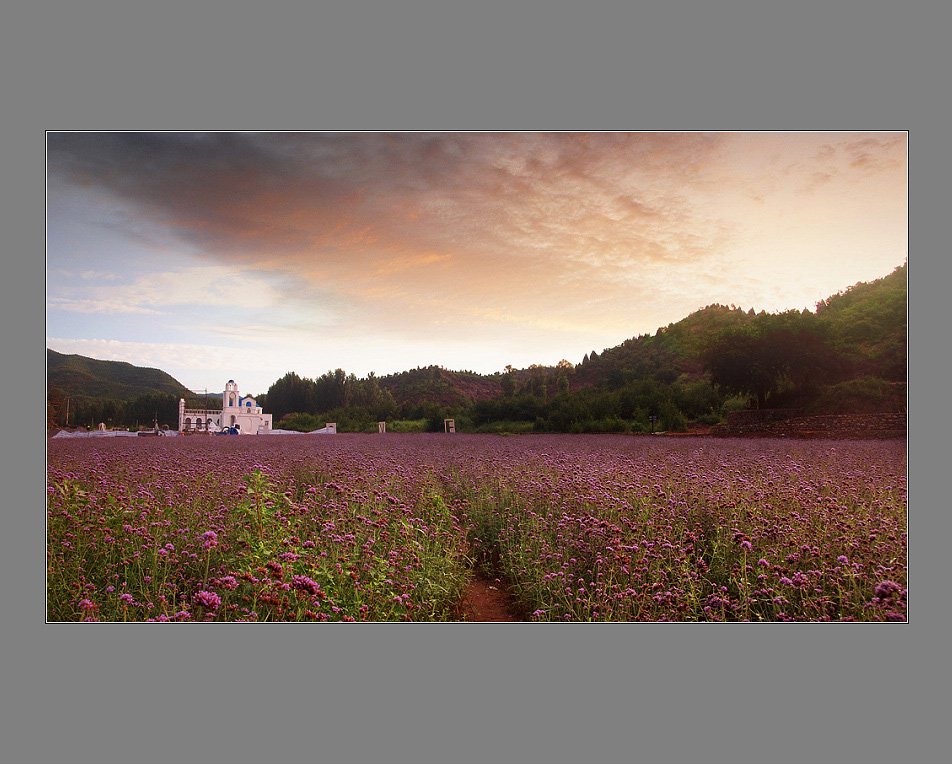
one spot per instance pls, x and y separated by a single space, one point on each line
866 323
84 377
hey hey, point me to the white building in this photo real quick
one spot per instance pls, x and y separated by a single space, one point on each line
236 411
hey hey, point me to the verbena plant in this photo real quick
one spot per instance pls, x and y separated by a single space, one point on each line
360 527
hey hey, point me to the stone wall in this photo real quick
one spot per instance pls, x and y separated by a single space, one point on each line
856 426
737 420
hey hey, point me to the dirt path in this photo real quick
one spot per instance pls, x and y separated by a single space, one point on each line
488 600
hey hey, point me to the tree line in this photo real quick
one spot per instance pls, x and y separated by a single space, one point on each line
699 369
850 352
142 412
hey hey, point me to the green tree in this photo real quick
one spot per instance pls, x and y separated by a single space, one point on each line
777 350
290 394
508 383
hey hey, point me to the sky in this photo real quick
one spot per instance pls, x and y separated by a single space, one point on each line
245 256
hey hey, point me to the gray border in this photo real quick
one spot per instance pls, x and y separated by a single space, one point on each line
454 692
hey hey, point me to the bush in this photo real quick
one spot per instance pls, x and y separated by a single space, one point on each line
613 424
672 420
866 395
734 403
300 422
505 427
407 425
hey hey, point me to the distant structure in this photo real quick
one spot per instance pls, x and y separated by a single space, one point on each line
241 413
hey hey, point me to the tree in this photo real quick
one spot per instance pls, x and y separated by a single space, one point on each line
149 408
55 407
741 362
508 383
290 394
780 349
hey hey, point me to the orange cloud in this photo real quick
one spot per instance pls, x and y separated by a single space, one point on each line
443 232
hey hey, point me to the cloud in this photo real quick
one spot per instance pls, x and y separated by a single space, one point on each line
207 285
160 355
90 275
436 236
104 304
284 200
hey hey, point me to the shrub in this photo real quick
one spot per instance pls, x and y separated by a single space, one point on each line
866 395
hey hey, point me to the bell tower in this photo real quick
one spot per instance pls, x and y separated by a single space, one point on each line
229 398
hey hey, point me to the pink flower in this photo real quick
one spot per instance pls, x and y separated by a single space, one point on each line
209 600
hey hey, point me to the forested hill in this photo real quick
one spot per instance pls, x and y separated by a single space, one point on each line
868 323
89 378
865 325
441 386
849 355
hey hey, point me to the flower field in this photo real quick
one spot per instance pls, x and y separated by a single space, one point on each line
391 528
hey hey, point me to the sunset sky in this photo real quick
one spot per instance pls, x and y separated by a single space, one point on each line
247 255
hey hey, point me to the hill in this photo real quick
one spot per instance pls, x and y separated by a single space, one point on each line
868 323
848 356
443 387
85 378
865 324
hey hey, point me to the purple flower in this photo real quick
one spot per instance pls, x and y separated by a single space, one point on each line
886 589
746 545
209 600
305 584
209 539
842 559
85 604
126 599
